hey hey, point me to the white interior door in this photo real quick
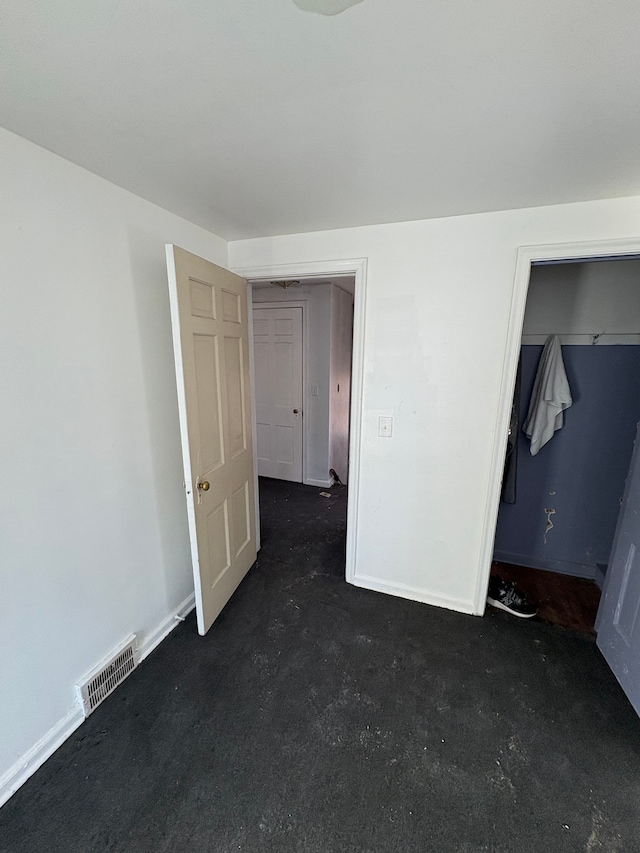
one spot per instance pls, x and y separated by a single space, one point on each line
211 347
277 341
618 621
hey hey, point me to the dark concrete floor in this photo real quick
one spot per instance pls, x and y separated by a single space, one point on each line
318 718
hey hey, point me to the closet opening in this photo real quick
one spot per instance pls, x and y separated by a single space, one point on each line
560 506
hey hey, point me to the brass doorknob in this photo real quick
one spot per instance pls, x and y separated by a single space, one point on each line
204 485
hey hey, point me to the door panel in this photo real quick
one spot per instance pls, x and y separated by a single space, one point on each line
208 403
277 340
241 517
236 395
211 347
230 306
217 541
619 614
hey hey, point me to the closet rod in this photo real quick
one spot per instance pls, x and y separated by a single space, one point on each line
587 337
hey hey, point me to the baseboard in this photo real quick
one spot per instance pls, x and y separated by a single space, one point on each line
162 631
321 484
601 573
414 594
576 570
35 757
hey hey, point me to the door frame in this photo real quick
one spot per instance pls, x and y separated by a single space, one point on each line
356 267
299 303
526 256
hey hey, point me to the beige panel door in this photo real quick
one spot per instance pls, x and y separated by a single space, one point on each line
277 342
211 347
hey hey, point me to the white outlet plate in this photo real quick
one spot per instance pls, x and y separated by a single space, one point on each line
385 426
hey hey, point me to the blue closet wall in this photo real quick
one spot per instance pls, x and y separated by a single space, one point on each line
581 472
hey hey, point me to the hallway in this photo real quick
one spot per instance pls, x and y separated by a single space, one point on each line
316 717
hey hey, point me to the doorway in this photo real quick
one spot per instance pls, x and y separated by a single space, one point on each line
303 353
560 514
528 256
613 339
212 322
303 343
349 275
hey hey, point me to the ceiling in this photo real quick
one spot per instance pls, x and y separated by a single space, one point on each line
254 117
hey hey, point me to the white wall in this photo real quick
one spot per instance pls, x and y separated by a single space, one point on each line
94 533
437 311
317 305
340 380
585 299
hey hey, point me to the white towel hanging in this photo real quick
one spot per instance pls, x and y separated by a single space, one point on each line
551 396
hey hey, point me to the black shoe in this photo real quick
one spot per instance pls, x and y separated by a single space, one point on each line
505 596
